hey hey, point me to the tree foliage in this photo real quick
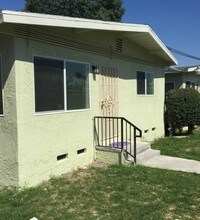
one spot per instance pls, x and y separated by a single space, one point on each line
183 109
107 10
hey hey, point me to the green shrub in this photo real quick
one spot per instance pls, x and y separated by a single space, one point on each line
182 109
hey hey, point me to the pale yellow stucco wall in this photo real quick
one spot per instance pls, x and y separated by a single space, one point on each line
41 138
8 122
44 137
145 111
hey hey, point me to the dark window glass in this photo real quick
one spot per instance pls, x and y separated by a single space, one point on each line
193 85
150 83
77 82
188 84
1 92
49 84
198 86
169 86
141 83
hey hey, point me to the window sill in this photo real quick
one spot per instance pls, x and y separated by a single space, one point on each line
145 95
60 112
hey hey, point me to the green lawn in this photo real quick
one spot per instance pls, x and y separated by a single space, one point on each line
188 147
114 192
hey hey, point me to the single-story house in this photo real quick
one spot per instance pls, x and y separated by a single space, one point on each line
57 74
177 77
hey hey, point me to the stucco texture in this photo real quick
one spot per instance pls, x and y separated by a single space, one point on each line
8 121
38 139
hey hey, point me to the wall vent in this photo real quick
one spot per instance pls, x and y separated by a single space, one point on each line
62 157
81 151
119 45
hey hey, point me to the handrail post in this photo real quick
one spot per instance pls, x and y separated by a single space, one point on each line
122 135
100 130
94 135
135 151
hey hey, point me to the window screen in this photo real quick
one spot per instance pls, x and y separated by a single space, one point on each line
49 86
141 83
77 85
150 83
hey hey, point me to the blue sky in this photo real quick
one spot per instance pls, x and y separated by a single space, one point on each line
176 22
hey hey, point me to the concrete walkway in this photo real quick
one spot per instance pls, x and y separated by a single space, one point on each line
173 163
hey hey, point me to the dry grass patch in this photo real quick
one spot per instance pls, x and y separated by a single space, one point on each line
107 192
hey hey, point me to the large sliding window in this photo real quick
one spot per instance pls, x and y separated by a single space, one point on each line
60 85
1 90
145 83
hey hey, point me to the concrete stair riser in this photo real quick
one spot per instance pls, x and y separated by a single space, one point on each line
144 152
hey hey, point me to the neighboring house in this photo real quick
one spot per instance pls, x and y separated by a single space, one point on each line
177 77
57 74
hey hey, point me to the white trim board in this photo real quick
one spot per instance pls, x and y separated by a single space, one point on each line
14 17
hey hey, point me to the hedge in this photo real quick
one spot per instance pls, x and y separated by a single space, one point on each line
182 109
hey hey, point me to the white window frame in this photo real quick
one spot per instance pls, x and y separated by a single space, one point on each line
2 89
65 87
146 72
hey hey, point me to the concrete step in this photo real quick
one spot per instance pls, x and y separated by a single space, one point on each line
142 146
146 155
144 151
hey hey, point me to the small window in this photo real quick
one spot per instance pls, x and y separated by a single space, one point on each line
169 86
145 83
188 84
1 91
191 84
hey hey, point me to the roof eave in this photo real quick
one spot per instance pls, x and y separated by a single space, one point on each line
71 22
164 48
